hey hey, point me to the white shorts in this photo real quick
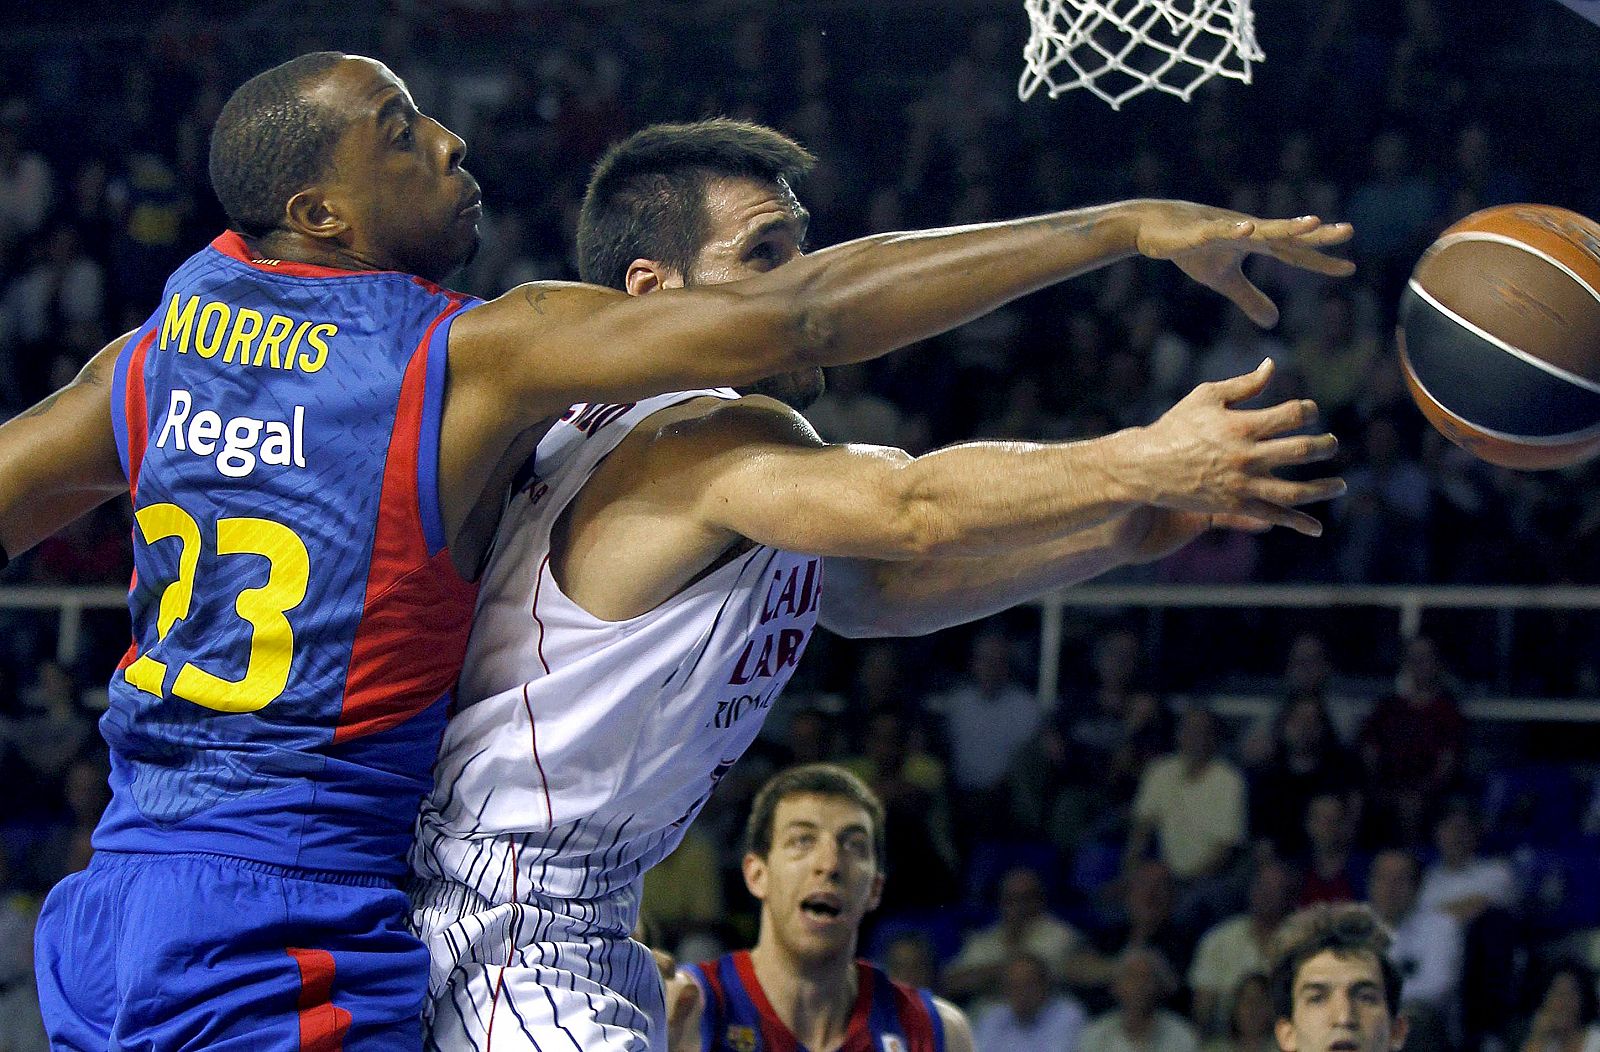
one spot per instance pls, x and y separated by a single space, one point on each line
532 978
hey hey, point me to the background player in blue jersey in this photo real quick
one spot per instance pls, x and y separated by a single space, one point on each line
305 423
814 849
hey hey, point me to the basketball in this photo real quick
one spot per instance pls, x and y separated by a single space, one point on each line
1499 335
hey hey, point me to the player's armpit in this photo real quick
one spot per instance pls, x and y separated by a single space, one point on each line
59 459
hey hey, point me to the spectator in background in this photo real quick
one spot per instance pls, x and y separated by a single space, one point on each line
919 836
1025 926
49 732
909 958
66 847
1144 981
1427 950
1566 1016
26 183
1307 759
1240 946
1482 895
1192 803
1462 882
1031 1016
1335 353
1331 872
51 317
1383 519
21 1028
1146 922
683 899
1411 743
1250 1023
1393 209
989 716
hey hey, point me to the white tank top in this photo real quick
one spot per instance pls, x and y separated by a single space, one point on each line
582 748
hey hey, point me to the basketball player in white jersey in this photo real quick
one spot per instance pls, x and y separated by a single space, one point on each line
658 569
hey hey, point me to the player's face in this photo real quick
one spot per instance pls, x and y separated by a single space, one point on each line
1339 1005
819 879
754 226
396 177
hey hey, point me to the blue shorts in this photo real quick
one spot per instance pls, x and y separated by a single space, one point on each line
191 951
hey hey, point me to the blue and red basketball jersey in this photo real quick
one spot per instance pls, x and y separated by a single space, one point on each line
887 1017
297 623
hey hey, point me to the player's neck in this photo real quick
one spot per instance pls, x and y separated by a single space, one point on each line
814 998
295 248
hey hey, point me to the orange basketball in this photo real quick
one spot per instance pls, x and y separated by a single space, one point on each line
1500 335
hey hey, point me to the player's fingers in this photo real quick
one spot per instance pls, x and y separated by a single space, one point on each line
1327 234
1295 449
1285 416
1307 258
1245 386
1239 523
1257 305
1273 229
1288 494
1278 515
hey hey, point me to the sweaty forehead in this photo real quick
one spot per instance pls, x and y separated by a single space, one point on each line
355 87
736 204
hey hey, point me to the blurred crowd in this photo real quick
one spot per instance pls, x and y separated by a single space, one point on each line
1031 843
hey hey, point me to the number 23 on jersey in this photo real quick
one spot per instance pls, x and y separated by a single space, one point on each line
271 636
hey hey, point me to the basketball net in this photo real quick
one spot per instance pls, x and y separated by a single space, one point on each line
1120 48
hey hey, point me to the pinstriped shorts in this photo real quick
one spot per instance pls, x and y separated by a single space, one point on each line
531 976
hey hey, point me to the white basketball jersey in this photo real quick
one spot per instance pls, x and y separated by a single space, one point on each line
582 748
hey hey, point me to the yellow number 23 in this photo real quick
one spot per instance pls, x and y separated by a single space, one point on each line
271 639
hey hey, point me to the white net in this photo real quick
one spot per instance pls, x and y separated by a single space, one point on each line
1120 48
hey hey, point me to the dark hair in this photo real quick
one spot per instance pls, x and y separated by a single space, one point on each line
270 142
646 198
1345 928
821 779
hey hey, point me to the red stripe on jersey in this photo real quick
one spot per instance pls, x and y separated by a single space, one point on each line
418 611
858 1033
134 412
775 1033
544 783
915 1022
322 1023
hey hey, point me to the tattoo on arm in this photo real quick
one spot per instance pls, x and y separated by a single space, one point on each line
89 377
535 299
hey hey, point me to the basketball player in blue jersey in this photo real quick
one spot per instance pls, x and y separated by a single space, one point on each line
304 424
814 848
660 565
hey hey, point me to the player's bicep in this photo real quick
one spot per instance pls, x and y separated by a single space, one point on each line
549 344
838 500
59 459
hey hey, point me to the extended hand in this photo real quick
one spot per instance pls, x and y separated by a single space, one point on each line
1210 244
1149 533
1205 456
685 1005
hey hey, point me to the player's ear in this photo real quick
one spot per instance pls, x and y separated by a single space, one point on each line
876 897
1288 1040
647 275
312 213
755 875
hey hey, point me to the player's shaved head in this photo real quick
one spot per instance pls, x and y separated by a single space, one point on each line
272 140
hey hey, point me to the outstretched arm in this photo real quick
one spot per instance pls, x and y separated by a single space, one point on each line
548 345
59 459
867 597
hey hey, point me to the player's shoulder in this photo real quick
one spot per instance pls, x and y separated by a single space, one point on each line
956 1026
713 425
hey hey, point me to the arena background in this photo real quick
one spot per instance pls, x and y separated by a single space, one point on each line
1020 742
